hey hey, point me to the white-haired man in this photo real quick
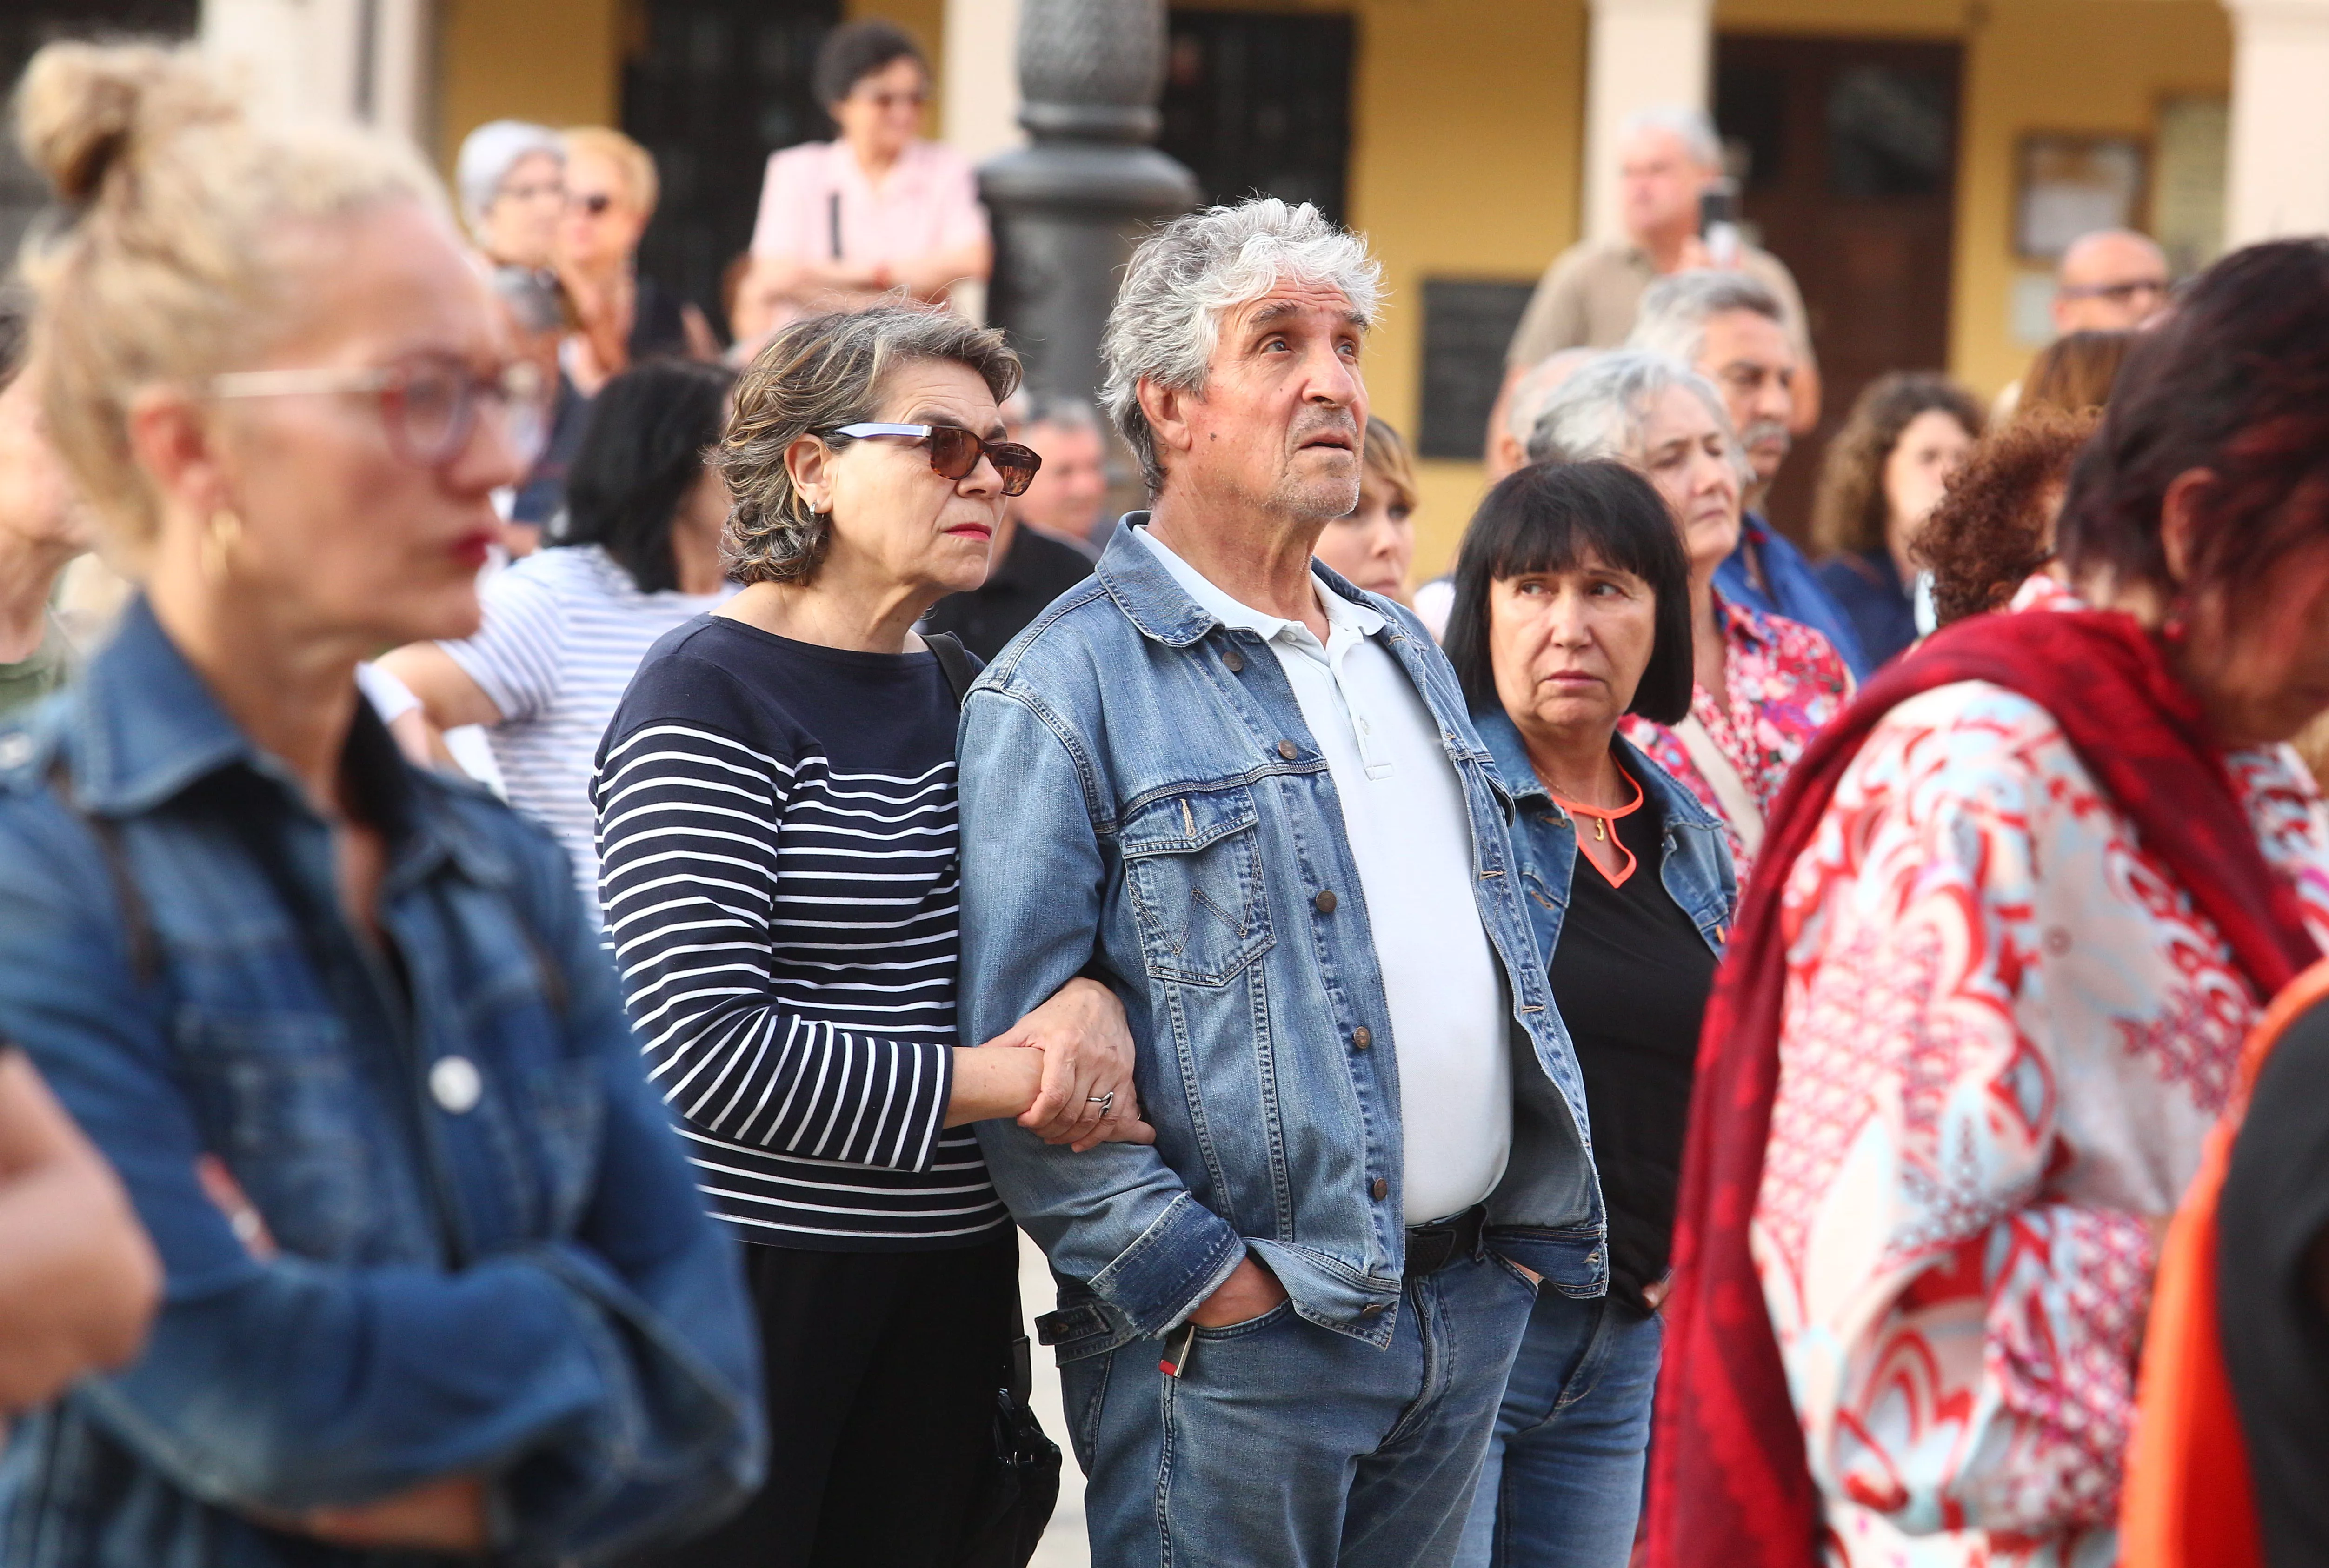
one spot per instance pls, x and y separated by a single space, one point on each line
1248 796
1590 296
1732 330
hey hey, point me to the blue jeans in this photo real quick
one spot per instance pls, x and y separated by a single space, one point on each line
1561 1485
1291 1445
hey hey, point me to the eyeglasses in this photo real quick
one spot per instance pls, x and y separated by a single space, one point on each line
594 203
2120 293
955 451
554 189
428 405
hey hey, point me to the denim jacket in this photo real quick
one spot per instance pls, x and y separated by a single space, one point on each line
1142 800
1695 870
493 1261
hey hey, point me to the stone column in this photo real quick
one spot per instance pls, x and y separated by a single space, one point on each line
361 59
1641 55
1068 208
2278 180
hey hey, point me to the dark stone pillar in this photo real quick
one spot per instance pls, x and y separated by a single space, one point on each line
1068 208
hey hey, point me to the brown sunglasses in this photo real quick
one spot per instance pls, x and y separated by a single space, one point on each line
955 451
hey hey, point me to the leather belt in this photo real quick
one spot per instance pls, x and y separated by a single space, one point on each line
1432 1248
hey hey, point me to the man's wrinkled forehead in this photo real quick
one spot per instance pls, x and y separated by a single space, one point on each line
1288 301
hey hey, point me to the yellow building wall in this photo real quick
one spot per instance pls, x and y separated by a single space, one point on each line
557 61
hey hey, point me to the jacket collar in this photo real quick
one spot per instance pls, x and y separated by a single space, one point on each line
145 728
1153 599
1676 805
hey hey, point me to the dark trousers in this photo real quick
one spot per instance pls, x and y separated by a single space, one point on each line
881 1369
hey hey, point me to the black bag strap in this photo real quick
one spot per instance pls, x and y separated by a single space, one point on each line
137 919
960 666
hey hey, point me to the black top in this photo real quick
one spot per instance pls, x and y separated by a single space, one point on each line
1039 569
2275 1333
1630 975
781 876
1882 609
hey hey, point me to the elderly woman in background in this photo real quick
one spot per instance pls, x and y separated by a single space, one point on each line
797 1005
1764 684
1572 610
1988 993
878 209
1374 545
511 176
436 1281
621 317
565 629
1883 474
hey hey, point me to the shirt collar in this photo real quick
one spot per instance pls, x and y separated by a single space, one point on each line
1742 622
1340 613
1502 737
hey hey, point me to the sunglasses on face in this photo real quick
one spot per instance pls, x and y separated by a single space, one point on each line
594 203
955 451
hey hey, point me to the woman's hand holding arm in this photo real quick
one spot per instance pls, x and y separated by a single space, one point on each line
1087 1051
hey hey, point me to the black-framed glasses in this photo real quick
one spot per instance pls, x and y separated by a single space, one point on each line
955 451
594 203
428 405
2120 293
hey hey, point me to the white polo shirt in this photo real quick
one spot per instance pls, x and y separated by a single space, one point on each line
1411 839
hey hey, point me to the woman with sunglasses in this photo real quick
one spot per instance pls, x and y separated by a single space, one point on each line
777 817
566 627
437 1281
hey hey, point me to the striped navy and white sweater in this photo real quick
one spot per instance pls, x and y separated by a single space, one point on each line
777 834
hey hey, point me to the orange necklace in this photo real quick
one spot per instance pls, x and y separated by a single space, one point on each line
1605 846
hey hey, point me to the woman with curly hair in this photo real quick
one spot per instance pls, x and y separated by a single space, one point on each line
1992 533
777 823
1884 471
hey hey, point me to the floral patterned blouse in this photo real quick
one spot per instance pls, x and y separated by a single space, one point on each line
1785 682
2006 1033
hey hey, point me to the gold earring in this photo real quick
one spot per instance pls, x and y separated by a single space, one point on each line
220 536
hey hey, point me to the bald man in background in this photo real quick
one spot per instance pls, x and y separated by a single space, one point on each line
2112 280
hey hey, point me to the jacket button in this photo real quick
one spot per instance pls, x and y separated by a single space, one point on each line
1381 1189
1235 660
1363 1037
455 1084
1289 750
1371 1309
1324 900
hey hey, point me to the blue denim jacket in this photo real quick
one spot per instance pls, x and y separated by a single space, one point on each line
1695 870
1141 799
1796 590
503 1272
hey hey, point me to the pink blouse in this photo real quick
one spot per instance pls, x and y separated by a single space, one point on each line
817 205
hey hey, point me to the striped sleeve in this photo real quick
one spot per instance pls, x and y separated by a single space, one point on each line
519 653
689 822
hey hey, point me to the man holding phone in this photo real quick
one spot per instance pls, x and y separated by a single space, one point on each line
1680 213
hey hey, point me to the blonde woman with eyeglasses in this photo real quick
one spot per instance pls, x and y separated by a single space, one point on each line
437 1281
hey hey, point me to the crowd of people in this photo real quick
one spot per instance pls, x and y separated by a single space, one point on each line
600 880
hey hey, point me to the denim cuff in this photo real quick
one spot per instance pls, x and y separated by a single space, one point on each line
1181 1258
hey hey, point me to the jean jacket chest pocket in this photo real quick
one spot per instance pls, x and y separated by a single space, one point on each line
1193 863
280 1100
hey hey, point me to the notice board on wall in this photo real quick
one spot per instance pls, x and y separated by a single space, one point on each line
1468 322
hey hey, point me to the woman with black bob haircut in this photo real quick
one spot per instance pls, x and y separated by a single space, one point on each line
1571 610
565 629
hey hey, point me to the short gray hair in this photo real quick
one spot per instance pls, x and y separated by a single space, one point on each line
1186 277
1055 409
813 375
1602 411
487 156
1675 310
1535 389
1694 128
